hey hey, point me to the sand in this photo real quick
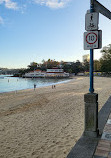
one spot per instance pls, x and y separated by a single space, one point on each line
46 123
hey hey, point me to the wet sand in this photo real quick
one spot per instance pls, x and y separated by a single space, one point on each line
46 123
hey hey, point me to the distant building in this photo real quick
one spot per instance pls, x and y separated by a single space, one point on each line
86 57
69 63
35 73
55 72
61 64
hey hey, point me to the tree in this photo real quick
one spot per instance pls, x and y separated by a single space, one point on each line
22 71
97 65
75 67
105 61
86 66
49 64
32 66
67 68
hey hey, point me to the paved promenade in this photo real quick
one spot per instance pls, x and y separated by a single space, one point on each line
100 147
103 149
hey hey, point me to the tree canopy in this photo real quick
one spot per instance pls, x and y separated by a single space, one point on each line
101 65
105 60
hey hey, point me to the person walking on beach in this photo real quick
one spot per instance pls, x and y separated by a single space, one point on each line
53 86
34 87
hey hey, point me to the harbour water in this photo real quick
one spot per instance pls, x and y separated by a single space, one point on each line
8 83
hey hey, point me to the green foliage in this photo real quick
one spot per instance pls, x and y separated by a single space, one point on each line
97 66
102 65
105 61
22 71
49 64
32 66
75 67
86 66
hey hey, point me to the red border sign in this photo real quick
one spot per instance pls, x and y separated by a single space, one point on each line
88 35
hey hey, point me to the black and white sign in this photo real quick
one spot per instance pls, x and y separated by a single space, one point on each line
90 40
91 21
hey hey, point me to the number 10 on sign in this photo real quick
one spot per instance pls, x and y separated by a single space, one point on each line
90 40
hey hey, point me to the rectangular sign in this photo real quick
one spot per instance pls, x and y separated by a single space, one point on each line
92 40
101 9
91 21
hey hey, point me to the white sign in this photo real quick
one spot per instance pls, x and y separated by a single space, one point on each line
91 40
91 21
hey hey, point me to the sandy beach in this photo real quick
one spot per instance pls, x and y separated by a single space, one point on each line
46 123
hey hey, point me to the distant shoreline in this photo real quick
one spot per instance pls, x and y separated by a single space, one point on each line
39 86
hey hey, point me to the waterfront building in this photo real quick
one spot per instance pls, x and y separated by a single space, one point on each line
55 72
50 73
35 73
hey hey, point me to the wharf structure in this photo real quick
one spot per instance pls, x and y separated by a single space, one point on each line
49 73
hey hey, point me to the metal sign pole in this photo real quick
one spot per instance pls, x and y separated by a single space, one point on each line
92 40
91 89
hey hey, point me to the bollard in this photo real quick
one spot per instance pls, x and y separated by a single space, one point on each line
91 115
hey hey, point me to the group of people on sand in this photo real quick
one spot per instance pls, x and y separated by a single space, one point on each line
53 87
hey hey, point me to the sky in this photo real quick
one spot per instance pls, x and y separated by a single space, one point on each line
33 30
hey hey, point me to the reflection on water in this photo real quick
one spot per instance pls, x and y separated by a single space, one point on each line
8 83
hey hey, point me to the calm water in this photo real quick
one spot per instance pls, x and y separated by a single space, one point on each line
8 83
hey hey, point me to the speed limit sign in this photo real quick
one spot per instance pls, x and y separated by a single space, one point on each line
91 40
91 37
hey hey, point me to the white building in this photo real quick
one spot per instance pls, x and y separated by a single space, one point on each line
49 73
35 73
56 73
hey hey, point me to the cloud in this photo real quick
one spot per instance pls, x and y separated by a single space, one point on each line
1 20
10 4
53 3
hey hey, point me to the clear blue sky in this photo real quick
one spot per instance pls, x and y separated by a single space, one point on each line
33 30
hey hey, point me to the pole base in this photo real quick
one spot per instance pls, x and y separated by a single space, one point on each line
91 134
91 115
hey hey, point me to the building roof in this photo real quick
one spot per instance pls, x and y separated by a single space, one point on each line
37 70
